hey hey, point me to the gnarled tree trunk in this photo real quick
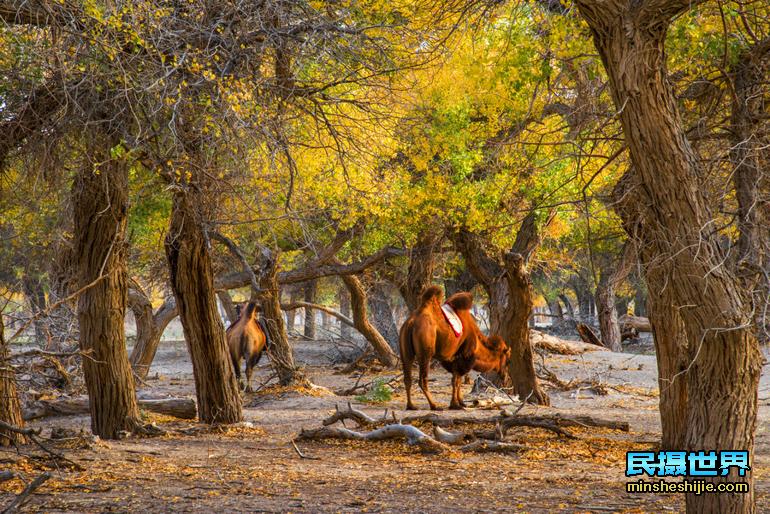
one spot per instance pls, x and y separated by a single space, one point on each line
605 298
187 250
10 409
100 201
723 355
510 302
360 317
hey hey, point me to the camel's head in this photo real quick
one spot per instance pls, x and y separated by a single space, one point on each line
501 351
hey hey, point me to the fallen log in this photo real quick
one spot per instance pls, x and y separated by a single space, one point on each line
6 475
183 408
413 435
453 438
559 346
639 323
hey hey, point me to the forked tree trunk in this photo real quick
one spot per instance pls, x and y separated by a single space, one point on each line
510 303
187 250
100 202
360 317
724 360
280 352
382 315
149 328
10 409
310 291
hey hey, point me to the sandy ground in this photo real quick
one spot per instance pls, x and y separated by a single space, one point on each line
254 468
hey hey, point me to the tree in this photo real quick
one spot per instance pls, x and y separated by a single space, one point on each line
723 367
100 200
358 302
509 289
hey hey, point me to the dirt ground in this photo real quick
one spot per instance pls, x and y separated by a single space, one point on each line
254 467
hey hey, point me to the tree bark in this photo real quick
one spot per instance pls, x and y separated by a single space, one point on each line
723 366
420 271
100 200
279 350
310 291
189 261
382 314
360 317
10 409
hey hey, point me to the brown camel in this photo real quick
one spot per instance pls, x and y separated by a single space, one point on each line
427 335
246 340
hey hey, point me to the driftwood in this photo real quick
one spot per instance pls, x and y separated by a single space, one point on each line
453 438
360 417
534 422
183 408
588 335
413 435
22 498
637 323
6 475
559 346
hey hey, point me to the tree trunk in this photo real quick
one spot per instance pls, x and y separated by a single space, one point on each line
149 328
100 201
514 329
189 261
310 292
382 315
510 304
62 321
724 358
606 300
344 297
420 272
360 317
10 409
748 144
465 281
279 350
227 304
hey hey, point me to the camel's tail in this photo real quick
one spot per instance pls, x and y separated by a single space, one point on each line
405 343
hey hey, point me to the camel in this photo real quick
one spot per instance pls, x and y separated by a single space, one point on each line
246 340
427 335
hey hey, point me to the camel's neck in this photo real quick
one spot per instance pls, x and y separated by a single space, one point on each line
486 360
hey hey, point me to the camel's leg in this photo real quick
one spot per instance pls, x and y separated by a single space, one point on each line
424 362
406 362
460 401
456 402
251 363
236 368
